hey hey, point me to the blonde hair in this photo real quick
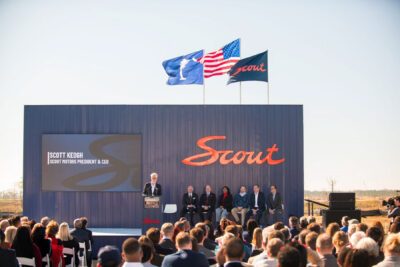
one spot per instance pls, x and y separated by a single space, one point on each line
10 233
63 232
340 239
257 238
392 244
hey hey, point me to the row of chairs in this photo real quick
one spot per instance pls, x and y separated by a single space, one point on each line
66 252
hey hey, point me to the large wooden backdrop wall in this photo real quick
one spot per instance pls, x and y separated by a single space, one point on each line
169 134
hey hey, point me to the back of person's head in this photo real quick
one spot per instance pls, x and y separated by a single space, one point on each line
376 234
4 224
315 227
311 240
44 221
362 227
394 228
167 229
273 247
234 249
311 219
198 234
10 233
286 233
183 241
302 236
324 244
357 258
38 233
154 235
233 230
15 221
148 252
391 246
289 256
341 258
293 221
345 220
276 234
302 252
251 225
63 232
369 245
279 225
131 250
357 236
52 229
109 256
203 227
22 242
332 228
78 223
303 222
2 237
257 237
340 239
195 244
84 221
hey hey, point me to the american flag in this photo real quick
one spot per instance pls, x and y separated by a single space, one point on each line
221 61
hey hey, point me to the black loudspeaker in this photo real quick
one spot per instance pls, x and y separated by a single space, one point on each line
329 216
342 201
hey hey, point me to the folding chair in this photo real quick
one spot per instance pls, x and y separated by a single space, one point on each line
82 259
46 259
26 261
70 252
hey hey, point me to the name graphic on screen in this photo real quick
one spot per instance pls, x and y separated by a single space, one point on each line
91 162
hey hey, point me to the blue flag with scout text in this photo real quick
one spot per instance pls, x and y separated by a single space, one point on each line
254 68
184 69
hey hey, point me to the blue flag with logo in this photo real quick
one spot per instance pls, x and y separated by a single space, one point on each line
254 68
184 69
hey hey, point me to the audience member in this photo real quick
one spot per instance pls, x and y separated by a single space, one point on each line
3 225
234 253
8 257
68 242
340 240
185 256
288 256
82 236
38 236
391 249
345 224
198 234
324 249
167 232
294 226
132 253
155 235
108 256
10 233
24 247
44 221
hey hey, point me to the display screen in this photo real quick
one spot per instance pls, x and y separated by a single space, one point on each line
91 162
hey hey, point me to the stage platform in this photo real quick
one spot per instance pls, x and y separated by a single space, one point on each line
111 236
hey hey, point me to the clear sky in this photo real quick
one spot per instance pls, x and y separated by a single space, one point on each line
340 59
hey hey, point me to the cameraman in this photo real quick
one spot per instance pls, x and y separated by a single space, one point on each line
394 209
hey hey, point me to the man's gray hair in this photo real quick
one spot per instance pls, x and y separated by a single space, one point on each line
369 245
78 223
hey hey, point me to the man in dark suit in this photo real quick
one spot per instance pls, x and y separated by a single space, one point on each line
189 204
185 256
167 231
257 204
8 257
153 188
274 203
82 236
207 204
234 253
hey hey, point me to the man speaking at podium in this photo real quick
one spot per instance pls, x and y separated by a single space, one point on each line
152 189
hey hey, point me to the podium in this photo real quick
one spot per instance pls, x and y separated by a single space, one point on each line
152 212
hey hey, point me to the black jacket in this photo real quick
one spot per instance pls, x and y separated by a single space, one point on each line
260 201
208 201
147 190
274 204
184 258
168 244
8 258
227 204
186 200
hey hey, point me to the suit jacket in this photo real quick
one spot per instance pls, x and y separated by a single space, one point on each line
147 190
8 258
234 264
81 235
184 258
274 203
168 244
227 204
208 201
194 200
260 201
163 251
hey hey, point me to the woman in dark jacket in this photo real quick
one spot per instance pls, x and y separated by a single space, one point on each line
24 247
225 204
39 239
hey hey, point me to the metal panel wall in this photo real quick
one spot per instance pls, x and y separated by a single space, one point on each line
169 134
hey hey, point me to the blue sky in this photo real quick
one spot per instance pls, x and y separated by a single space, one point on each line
340 59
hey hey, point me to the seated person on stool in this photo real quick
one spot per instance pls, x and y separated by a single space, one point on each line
275 207
189 202
257 204
207 204
241 205
225 203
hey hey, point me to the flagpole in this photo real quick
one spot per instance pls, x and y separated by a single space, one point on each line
267 80
240 93
204 84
